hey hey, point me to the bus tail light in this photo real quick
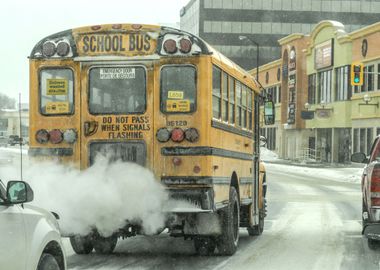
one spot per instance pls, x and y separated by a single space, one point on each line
70 136
163 135
42 136
185 45
63 48
56 136
170 46
192 134
177 161
178 135
48 49
375 186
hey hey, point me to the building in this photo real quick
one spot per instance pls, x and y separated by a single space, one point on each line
321 116
221 22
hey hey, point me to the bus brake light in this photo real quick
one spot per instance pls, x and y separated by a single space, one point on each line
163 135
192 134
56 136
42 136
178 135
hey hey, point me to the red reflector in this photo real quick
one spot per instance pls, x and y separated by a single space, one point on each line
177 135
177 161
170 46
185 45
56 136
196 169
375 179
375 201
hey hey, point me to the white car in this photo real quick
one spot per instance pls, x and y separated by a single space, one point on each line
29 236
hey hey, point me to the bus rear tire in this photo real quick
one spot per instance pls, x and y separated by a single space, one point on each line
227 242
105 245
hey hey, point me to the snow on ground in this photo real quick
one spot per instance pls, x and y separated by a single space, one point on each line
347 173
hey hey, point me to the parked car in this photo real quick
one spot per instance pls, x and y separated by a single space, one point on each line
15 139
30 237
371 193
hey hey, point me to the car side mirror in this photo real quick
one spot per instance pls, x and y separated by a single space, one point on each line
269 112
19 192
359 158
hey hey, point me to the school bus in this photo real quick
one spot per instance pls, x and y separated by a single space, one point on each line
166 100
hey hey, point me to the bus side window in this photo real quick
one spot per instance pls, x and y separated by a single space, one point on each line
56 91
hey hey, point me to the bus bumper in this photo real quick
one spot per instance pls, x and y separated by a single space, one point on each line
192 212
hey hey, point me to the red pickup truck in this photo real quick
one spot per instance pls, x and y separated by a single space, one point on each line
371 193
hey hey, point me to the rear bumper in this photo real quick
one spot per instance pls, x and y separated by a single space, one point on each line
372 231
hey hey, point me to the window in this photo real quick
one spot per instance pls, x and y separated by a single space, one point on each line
216 96
2 192
231 111
342 82
368 80
244 106
178 89
378 76
117 90
225 97
249 109
324 86
238 103
56 91
311 88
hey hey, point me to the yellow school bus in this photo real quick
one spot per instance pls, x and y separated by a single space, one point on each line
166 100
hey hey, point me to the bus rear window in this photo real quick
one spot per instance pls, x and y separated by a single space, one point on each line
56 91
117 90
178 89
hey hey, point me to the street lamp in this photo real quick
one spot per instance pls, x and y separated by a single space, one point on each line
257 54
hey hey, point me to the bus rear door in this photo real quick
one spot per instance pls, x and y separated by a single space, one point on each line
116 115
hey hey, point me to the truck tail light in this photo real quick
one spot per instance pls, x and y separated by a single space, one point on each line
375 186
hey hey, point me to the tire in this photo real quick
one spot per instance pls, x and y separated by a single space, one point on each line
230 219
105 245
81 244
259 228
204 246
48 262
373 244
364 222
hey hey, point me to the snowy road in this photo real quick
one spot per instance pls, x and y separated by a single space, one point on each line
312 223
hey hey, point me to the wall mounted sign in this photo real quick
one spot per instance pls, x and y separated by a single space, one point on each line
323 54
364 47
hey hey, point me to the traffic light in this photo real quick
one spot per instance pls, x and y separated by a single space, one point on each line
356 74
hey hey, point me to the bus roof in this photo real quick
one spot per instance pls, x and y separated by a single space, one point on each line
131 40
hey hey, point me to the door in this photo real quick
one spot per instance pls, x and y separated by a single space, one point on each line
116 112
13 237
